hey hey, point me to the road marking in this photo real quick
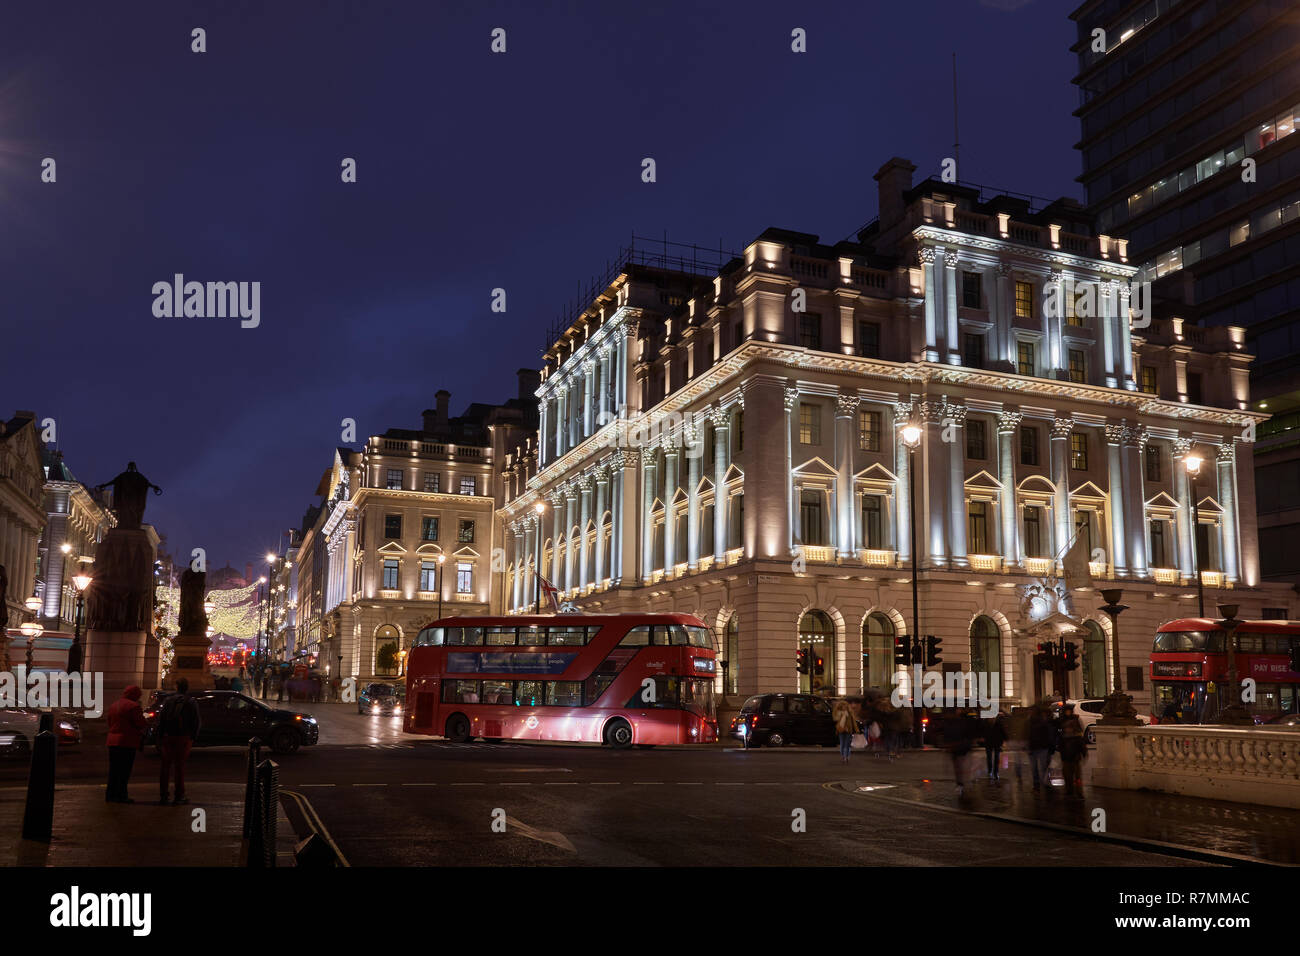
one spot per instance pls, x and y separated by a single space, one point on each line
505 783
527 770
682 783
305 785
559 783
466 785
370 785
419 785
551 837
314 821
647 783
606 783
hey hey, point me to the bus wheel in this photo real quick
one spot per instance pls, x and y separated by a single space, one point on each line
458 728
618 734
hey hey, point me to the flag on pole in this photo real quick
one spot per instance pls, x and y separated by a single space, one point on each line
1077 572
552 593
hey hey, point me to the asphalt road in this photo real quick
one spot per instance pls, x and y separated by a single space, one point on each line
387 798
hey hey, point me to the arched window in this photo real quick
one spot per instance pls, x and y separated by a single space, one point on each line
732 683
986 649
817 637
387 645
877 653
1094 660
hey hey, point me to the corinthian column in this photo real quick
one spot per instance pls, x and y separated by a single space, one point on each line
953 339
721 418
1008 424
1115 435
694 452
671 452
846 409
584 560
1061 429
927 254
791 399
1230 534
1182 490
955 417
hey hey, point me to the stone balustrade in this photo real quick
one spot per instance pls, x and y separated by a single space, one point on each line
1246 765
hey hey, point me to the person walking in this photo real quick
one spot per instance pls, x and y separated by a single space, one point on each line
959 737
1039 743
846 725
995 735
126 726
178 728
1074 749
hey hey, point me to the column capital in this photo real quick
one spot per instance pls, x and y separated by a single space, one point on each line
846 406
1005 269
589 366
1115 433
791 396
1181 447
1008 422
1061 427
1227 454
951 258
626 458
931 412
584 483
926 255
1135 436
604 350
903 410
954 411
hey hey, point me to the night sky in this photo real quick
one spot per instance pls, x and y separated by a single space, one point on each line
475 171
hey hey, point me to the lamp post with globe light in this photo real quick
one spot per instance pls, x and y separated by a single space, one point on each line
1119 705
540 509
1193 464
1235 712
81 580
911 438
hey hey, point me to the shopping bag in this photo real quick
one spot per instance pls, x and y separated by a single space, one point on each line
859 742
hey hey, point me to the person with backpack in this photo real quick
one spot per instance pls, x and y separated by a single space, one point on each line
846 725
178 728
126 726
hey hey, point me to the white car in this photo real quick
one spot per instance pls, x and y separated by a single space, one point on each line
1089 711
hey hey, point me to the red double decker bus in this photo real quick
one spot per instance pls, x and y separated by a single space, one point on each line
1189 669
624 679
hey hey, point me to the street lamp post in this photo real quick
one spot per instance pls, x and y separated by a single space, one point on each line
911 435
1234 713
540 509
1119 705
1193 464
80 581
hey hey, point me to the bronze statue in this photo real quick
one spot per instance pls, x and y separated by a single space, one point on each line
193 619
130 492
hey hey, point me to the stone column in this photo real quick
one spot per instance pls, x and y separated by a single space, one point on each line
791 400
520 564
557 525
956 415
543 439
570 514
721 418
1118 494
588 398
1229 537
1135 524
1182 491
927 255
1008 424
1126 339
932 494
1006 317
953 337
1060 460
604 388
671 453
620 390
561 419
1054 359
533 529
584 554
694 453
626 463
902 491
846 410
602 498
648 484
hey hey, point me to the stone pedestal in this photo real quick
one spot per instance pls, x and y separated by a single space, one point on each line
118 655
152 663
190 660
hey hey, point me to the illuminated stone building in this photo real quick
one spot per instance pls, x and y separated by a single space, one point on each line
724 439
76 520
22 517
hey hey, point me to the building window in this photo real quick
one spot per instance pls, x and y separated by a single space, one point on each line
428 575
873 528
1159 549
810 330
1078 367
1083 530
429 529
1025 363
1024 300
972 347
1034 545
810 518
1072 316
392 526
394 479
464 577
390 574
877 653
1149 385
731 681
1206 558
1194 393
1079 452
869 430
869 340
1094 660
810 424
1153 463
432 482
977 527
975 447
1028 445
817 637
466 535
970 290
986 648
468 485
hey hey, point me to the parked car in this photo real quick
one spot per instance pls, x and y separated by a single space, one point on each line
379 700
1088 710
780 719
229 719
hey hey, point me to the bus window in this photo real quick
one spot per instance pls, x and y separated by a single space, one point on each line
529 693
596 685
660 691
697 697
566 636
430 635
532 636
498 636
699 637
498 692
564 693
1250 643
455 635
460 692
637 637
473 635
1189 641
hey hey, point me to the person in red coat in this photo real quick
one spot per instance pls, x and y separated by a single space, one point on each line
126 726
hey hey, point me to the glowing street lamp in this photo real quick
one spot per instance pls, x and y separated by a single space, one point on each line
540 508
1193 464
910 435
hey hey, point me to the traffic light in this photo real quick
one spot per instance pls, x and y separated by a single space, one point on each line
1071 656
801 660
933 645
819 666
902 657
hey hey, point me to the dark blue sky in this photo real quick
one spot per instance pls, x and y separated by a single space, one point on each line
475 171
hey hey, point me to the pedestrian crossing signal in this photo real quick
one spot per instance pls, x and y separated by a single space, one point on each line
819 666
801 660
932 647
902 653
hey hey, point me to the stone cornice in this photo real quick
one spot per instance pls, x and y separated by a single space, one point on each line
1055 257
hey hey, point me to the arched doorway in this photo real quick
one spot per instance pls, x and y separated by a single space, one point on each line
1094 660
986 650
817 637
878 635
387 646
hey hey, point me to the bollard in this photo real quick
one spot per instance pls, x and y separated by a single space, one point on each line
38 815
269 794
254 755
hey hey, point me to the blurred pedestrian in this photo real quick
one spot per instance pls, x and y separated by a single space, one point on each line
959 733
178 727
846 725
126 727
1039 743
995 735
1074 749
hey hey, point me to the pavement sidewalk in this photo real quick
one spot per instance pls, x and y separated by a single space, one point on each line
89 832
1233 833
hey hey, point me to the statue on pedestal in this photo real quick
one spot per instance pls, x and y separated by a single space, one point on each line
193 619
130 492
120 597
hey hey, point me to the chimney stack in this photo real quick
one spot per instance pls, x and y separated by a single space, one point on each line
893 179
435 419
529 381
